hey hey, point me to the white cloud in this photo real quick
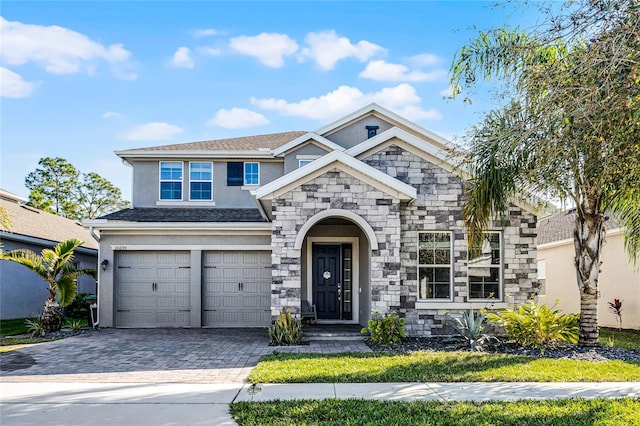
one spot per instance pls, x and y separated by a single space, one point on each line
345 99
12 85
268 48
237 118
205 32
384 71
209 51
326 49
57 49
182 58
110 114
152 131
424 60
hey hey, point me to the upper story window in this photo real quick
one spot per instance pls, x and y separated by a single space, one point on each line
434 265
303 162
252 173
171 180
234 174
371 131
200 181
485 267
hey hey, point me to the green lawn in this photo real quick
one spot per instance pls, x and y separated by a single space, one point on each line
435 367
623 339
574 412
12 327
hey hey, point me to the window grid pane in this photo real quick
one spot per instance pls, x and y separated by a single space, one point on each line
434 265
251 174
200 177
170 180
485 268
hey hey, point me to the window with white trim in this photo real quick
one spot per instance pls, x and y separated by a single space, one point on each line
485 267
434 265
303 162
171 180
200 181
252 173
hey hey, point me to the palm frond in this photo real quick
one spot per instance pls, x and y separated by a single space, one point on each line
67 288
626 207
26 258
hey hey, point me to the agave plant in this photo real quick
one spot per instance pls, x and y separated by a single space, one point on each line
55 267
474 329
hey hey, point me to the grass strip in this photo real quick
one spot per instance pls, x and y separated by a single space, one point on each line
435 367
574 412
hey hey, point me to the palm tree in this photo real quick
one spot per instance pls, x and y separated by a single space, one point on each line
55 267
569 129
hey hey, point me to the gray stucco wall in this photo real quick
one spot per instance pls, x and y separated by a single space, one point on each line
146 183
355 133
195 242
290 160
23 292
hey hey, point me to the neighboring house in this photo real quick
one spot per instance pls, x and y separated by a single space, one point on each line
22 292
361 216
619 278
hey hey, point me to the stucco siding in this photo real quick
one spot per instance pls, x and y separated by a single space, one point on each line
619 279
355 133
291 160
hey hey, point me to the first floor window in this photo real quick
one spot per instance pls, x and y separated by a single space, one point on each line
200 181
252 173
485 267
171 180
434 265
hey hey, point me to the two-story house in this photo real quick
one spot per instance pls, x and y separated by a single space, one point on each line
362 215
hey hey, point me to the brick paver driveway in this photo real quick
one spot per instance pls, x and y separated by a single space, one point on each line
151 356
142 356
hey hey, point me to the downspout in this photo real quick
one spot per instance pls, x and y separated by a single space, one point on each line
97 319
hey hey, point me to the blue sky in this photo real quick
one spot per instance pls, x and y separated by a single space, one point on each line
82 79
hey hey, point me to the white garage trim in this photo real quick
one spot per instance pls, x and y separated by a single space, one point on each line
162 247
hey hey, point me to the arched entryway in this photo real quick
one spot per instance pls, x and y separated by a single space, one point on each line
336 266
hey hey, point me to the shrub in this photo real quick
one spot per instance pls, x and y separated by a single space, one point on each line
537 326
75 324
473 328
287 330
34 326
78 309
616 308
385 329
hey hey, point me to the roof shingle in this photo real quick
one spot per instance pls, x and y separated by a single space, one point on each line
247 143
154 214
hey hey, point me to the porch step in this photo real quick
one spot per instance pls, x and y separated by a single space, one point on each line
322 332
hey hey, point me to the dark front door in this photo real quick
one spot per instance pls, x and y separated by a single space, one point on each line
326 280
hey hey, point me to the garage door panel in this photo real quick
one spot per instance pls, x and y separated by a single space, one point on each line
153 289
237 289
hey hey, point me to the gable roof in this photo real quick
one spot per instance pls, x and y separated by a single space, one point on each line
312 137
252 145
338 159
29 223
383 113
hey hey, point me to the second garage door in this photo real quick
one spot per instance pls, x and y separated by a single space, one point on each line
236 289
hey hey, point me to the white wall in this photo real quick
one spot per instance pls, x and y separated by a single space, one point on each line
619 279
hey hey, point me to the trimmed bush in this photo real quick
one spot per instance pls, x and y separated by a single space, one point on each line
385 329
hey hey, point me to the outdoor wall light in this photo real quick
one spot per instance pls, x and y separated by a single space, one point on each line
104 264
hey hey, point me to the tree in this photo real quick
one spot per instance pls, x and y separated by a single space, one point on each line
570 128
52 186
55 266
97 196
56 187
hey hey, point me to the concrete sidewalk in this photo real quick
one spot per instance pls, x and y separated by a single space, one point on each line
497 391
208 404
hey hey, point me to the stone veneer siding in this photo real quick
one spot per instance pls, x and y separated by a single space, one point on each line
335 189
394 275
438 207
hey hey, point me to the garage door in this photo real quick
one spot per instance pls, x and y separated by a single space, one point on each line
153 289
237 289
